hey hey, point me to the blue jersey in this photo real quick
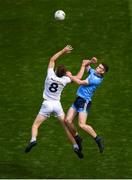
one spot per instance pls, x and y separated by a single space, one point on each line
87 91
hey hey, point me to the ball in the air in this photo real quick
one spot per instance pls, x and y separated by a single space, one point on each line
59 15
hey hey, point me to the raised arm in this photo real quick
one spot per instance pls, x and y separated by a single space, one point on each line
53 59
92 61
85 64
82 69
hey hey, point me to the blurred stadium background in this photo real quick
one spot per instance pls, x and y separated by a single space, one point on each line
29 35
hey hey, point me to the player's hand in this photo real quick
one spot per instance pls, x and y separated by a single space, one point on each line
86 62
68 73
93 60
68 49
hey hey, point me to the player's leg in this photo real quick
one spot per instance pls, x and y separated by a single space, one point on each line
70 136
69 122
44 112
38 121
87 128
61 116
82 124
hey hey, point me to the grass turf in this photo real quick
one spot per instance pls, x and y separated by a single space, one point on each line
29 35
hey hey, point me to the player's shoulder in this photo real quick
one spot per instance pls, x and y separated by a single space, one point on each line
50 72
66 79
50 69
91 70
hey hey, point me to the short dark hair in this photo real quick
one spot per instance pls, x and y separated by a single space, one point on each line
61 71
106 68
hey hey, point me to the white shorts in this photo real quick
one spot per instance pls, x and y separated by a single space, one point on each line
50 106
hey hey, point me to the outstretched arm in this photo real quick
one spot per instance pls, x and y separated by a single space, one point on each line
92 61
53 59
85 64
82 69
76 80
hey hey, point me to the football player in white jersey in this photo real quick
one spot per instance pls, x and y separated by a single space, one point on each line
54 84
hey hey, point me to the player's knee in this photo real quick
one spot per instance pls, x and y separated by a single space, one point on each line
68 120
35 124
81 125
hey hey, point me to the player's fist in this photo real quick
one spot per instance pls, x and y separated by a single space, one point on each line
68 73
86 62
93 60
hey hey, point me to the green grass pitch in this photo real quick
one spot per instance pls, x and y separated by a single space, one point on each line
29 35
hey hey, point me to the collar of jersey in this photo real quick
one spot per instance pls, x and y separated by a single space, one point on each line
100 76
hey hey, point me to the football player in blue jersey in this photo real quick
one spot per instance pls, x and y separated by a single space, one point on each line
82 103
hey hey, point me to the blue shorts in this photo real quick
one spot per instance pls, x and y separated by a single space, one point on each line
81 105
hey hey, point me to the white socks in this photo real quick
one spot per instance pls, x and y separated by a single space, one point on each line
75 146
33 139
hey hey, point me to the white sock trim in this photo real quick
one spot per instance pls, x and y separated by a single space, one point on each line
33 139
75 146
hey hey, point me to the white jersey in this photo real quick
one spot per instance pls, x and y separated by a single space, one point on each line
54 85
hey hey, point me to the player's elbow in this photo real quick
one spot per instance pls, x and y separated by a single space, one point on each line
52 59
83 83
80 83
